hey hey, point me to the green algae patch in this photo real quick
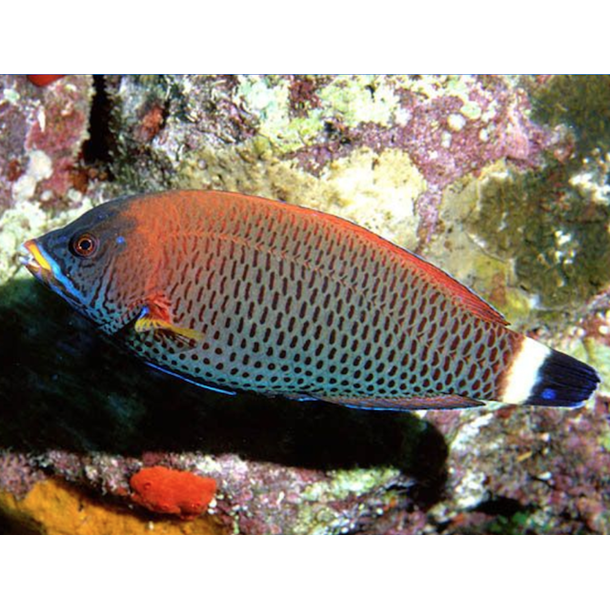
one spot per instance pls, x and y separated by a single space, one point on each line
580 102
597 355
361 99
556 234
517 524
346 100
471 258
344 483
329 506
268 98
605 441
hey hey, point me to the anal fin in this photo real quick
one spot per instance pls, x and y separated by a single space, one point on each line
442 401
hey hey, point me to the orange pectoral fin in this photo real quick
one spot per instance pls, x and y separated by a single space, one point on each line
155 317
147 323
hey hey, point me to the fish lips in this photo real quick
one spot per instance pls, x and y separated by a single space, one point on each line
32 258
45 269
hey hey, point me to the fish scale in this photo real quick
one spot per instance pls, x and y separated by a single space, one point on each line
243 293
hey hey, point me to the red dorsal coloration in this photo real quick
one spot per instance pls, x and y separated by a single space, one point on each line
449 286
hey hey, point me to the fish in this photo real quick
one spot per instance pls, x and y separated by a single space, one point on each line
238 293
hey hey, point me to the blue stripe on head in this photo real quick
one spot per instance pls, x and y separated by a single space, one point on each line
60 278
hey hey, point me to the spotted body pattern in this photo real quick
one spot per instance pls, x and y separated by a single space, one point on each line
292 303
243 293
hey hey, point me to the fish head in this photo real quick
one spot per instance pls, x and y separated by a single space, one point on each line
87 263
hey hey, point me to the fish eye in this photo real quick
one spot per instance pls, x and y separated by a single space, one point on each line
84 245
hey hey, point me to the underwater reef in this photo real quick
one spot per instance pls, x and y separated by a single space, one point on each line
502 181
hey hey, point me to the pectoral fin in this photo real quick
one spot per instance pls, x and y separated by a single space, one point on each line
147 323
155 316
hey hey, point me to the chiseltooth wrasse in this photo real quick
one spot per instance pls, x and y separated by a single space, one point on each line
235 292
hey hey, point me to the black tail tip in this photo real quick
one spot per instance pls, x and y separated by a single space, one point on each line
563 381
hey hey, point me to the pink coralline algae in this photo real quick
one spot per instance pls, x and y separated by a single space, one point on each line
553 475
444 141
17 474
445 136
47 125
303 95
457 145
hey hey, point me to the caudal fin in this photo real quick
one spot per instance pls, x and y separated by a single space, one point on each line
541 376
563 381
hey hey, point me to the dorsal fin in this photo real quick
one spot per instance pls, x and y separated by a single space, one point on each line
456 290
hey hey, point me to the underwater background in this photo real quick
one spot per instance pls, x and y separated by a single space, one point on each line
502 181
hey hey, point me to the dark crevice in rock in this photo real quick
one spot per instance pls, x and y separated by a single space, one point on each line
97 149
501 507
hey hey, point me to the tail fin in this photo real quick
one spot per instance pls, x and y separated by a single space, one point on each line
541 376
563 381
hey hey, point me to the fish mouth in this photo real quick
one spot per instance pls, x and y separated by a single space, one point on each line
32 258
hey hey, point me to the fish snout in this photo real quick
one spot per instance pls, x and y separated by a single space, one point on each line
33 259
46 269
